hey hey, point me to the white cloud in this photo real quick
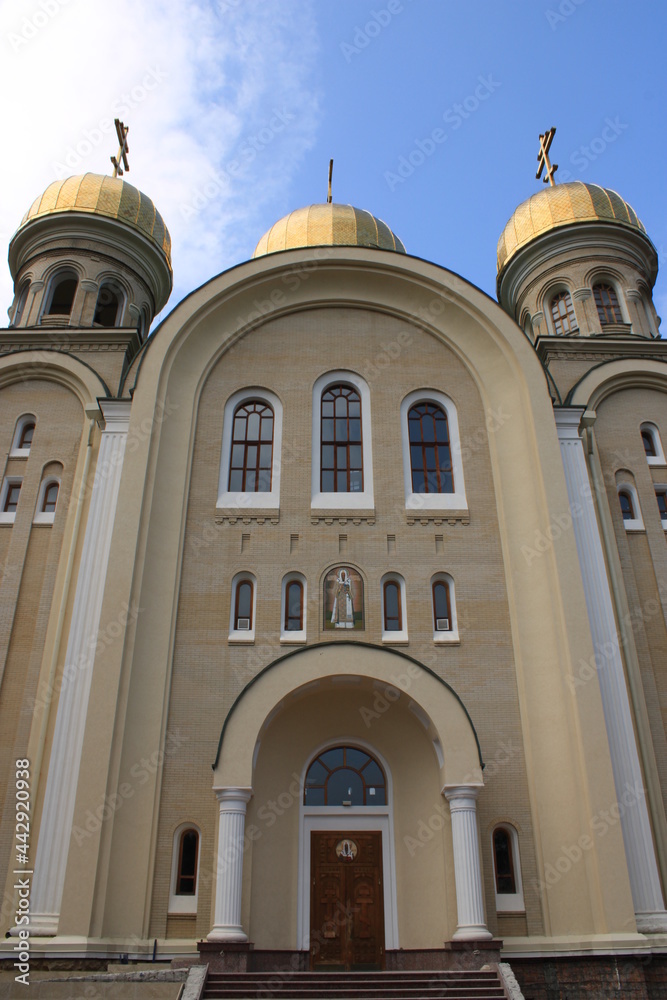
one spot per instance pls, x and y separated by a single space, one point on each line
218 96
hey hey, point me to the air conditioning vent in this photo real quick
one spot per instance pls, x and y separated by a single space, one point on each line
442 624
243 624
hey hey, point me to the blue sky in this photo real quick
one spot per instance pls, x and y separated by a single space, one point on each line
236 106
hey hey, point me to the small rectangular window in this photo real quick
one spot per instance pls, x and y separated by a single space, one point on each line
442 625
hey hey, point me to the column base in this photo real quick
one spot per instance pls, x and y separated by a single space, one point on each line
41 925
227 956
652 923
473 932
225 933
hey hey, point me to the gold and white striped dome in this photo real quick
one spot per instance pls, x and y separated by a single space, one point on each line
328 225
562 205
111 197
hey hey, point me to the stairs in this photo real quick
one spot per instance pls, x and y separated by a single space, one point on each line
355 985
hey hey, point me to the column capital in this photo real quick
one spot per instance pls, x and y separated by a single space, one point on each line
567 420
233 798
462 796
581 294
116 413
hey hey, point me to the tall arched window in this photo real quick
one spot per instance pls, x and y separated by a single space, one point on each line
61 295
630 508
50 498
652 444
108 307
391 606
649 444
507 869
442 608
251 459
430 452
293 620
562 314
627 505
606 301
243 602
345 776
186 878
24 433
342 468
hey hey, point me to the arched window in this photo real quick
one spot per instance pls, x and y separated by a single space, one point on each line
342 467
10 498
445 623
185 869
430 452
391 606
345 776
50 498
627 505
251 459
20 304
186 878
108 307
24 433
61 295
293 620
243 606
606 301
661 497
562 313
652 444
506 869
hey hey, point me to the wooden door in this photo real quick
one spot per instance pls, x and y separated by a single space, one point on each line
346 905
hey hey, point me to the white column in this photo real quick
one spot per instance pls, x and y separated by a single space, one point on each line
56 825
229 868
467 871
631 796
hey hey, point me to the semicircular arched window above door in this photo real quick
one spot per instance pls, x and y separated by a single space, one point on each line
345 776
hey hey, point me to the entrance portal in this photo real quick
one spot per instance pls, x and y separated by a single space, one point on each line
347 907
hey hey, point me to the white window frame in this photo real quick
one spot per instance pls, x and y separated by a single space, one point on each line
661 486
509 902
180 904
241 500
363 499
636 523
603 279
291 638
15 451
43 516
659 457
433 501
8 517
400 636
552 294
452 634
237 634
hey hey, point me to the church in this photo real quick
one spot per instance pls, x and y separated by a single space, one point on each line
334 608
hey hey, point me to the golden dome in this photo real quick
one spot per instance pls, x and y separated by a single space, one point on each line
562 205
329 225
108 196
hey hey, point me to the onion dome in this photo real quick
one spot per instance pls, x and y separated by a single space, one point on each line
563 205
330 225
111 197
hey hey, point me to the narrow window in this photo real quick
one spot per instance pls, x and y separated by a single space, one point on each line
442 612
26 435
649 444
50 499
607 304
186 878
11 498
243 607
430 452
341 469
294 606
661 497
252 448
503 862
627 506
62 295
562 313
108 307
392 607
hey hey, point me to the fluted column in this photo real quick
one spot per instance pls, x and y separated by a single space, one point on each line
467 870
229 867
61 785
631 796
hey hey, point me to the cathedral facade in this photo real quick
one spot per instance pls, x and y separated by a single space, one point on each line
334 610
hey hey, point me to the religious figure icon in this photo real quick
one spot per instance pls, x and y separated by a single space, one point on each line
343 599
346 850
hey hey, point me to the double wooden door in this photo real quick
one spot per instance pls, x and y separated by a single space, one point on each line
346 905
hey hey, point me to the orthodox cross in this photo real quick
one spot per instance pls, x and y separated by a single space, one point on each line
330 176
543 158
123 149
